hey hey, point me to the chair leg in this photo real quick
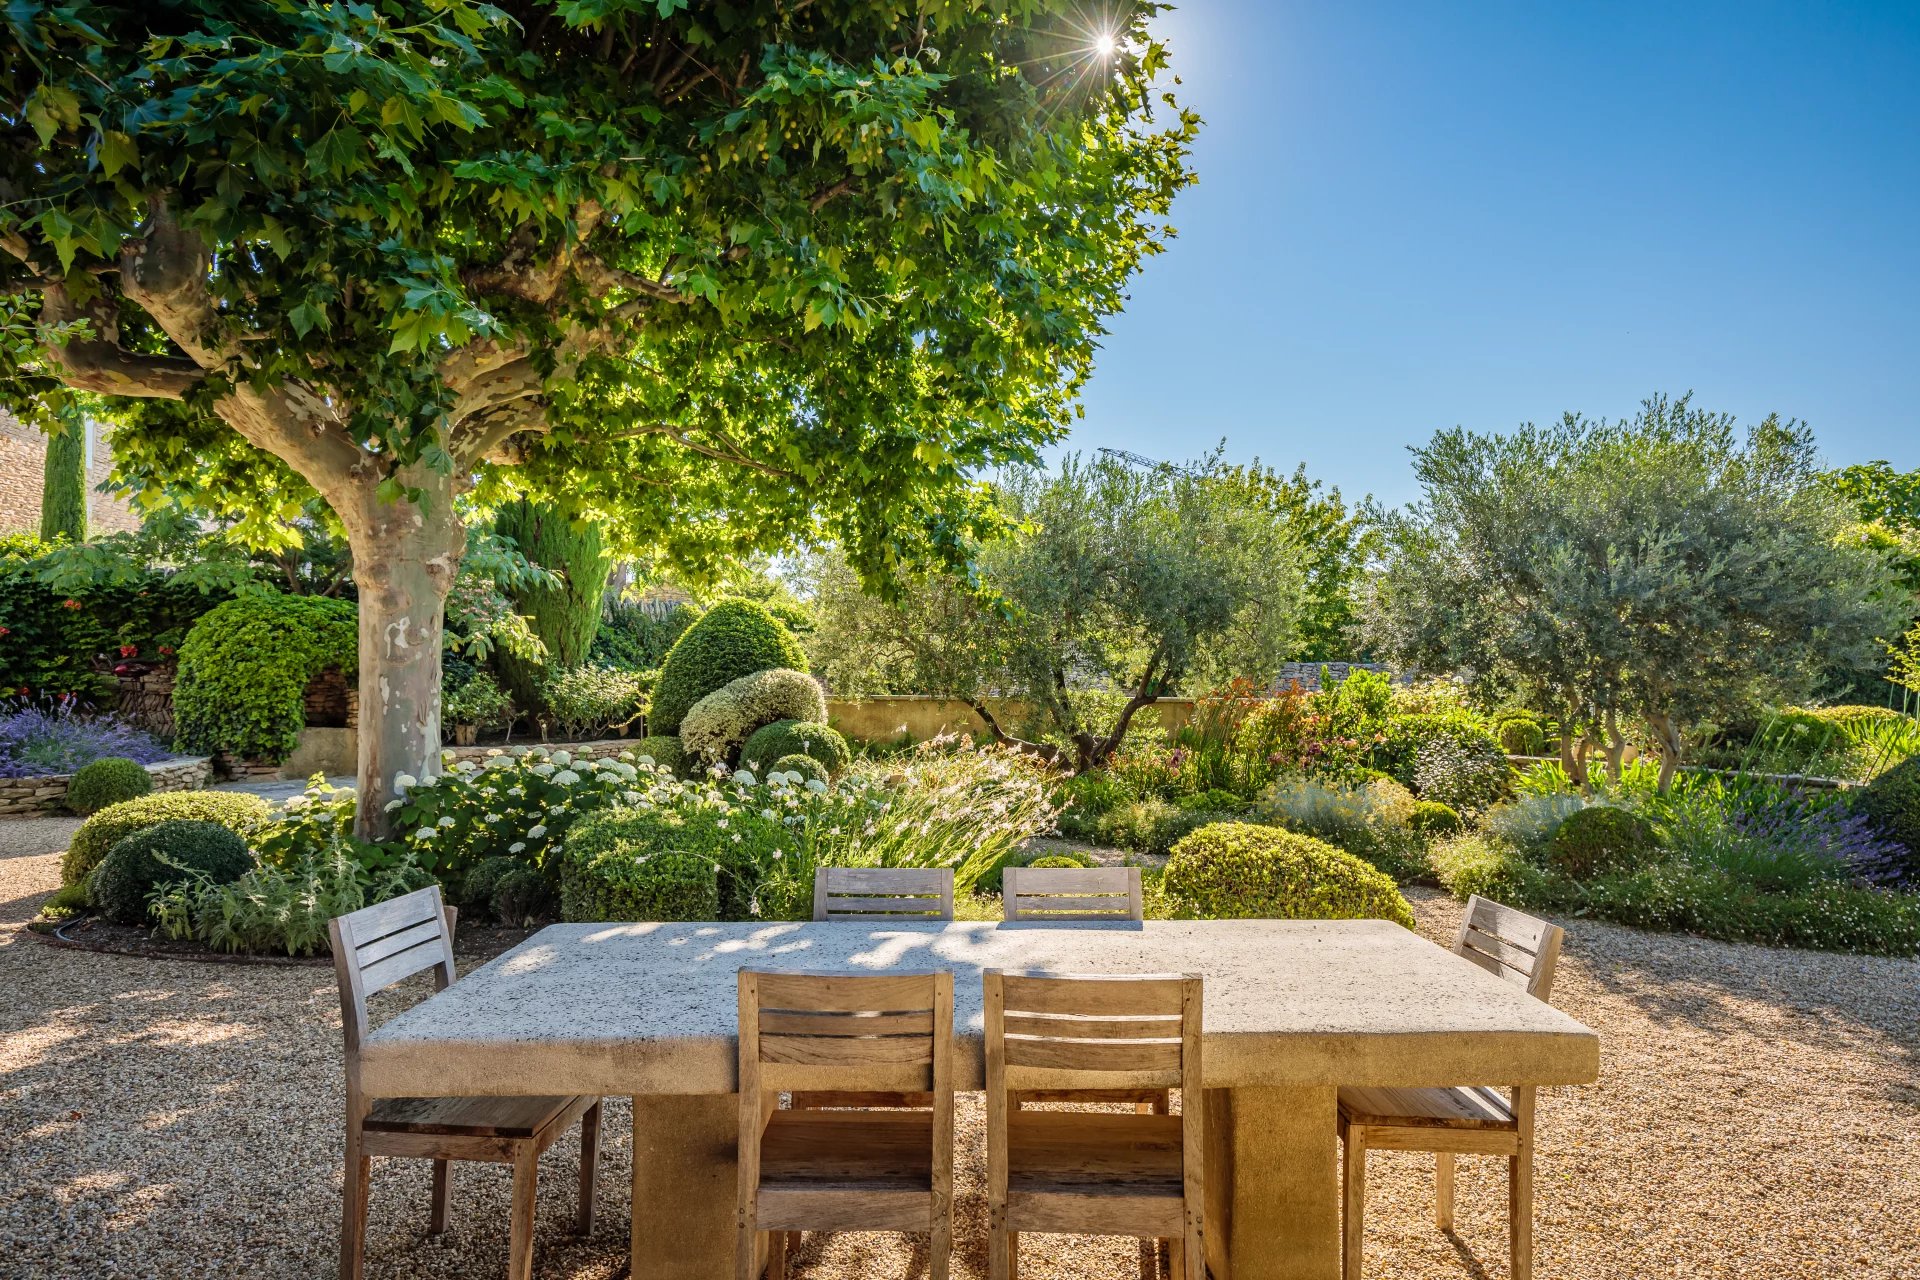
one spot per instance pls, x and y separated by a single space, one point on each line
1176 1257
1354 1218
353 1212
1003 1255
1520 1213
442 1197
940 1247
776 1255
589 1167
526 1179
746 1245
1443 1190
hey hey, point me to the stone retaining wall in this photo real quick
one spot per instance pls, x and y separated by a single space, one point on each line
21 797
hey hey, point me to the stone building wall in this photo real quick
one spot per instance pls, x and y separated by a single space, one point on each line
23 457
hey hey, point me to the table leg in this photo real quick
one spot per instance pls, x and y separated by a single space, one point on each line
683 1185
1273 1207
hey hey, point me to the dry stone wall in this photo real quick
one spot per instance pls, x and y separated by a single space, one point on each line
20 797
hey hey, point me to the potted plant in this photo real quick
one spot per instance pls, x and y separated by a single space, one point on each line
479 702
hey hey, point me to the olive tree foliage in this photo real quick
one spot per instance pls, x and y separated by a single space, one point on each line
1111 577
717 276
1666 572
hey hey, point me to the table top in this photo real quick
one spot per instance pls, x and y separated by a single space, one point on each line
651 1008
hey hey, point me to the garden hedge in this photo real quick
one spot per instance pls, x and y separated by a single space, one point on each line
822 743
627 886
1892 804
157 855
1598 839
734 638
718 725
1238 870
99 783
235 810
245 666
600 867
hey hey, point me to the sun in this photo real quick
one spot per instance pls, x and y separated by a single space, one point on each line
1104 45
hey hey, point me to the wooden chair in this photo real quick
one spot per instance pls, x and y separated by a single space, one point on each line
374 948
844 1170
1094 1172
902 895
1041 894
1071 893
1459 1121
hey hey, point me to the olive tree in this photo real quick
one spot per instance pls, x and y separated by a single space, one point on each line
1666 571
716 276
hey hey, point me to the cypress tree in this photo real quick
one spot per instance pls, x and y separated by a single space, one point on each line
63 492
566 615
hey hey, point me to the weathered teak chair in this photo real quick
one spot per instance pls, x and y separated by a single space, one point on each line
1459 1121
374 948
901 895
1094 1172
1043 894
844 1170
1068 894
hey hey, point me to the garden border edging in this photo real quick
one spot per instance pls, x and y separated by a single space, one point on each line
46 794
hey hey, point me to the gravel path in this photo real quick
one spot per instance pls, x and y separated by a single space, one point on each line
1758 1117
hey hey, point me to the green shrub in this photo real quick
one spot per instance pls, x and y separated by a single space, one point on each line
1892 804
1599 839
476 891
1471 864
235 810
1212 800
809 769
1466 771
583 702
1403 734
1152 825
716 727
103 782
735 638
632 638
478 700
1528 821
1063 860
281 908
160 854
993 879
1370 822
522 896
562 610
245 666
1084 799
64 903
1521 732
797 737
1435 821
599 870
660 886
1236 870
665 750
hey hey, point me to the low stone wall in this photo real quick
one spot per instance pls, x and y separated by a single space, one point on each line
23 796
599 748
891 717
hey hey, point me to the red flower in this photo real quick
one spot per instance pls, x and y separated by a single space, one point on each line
69 604
6 631
128 650
167 650
24 691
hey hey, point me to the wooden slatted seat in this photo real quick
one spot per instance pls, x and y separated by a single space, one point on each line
373 949
1042 894
1473 1120
1094 1172
902 895
844 1170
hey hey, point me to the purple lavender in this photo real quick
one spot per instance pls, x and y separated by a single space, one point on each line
40 738
1788 830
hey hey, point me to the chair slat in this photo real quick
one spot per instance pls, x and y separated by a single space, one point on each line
888 879
1145 995
393 915
832 1051
1093 1055
902 903
857 894
1061 1027
846 993
1072 879
1504 922
1110 905
367 953
1505 952
1065 893
402 965
784 1022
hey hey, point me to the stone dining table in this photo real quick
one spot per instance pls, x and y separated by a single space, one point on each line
1292 1010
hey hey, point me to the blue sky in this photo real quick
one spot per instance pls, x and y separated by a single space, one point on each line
1412 216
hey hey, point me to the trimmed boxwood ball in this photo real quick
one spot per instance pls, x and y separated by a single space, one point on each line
1892 804
602 874
107 781
1079 860
661 886
1241 871
809 769
734 638
717 726
522 896
994 878
235 810
667 751
798 737
476 891
1434 820
145 860
1599 839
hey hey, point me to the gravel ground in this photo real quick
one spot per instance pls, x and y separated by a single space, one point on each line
1758 1116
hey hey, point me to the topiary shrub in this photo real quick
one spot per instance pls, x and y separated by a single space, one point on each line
625 885
1237 871
666 750
522 896
235 810
245 666
157 855
797 737
476 891
715 727
1892 805
1521 732
96 785
1600 839
1063 860
809 769
1435 821
598 866
734 638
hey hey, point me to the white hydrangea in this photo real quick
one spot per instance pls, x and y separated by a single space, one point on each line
516 846
394 804
566 777
537 830
744 777
645 760
402 781
816 786
544 769
562 758
446 821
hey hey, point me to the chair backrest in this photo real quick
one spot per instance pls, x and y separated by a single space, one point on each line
1071 893
1140 1031
389 942
801 1031
900 894
1511 944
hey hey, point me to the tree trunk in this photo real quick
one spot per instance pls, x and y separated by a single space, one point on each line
63 489
1573 752
1667 735
1616 747
405 555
